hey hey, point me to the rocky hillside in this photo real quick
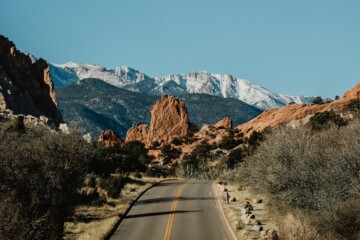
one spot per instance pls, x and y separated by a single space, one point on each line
222 85
297 113
95 106
26 87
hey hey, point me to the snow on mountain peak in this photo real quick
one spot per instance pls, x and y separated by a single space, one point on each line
224 85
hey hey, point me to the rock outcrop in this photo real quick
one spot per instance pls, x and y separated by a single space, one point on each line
225 123
139 132
288 114
169 119
26 87
110 138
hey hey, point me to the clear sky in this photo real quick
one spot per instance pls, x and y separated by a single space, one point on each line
307 47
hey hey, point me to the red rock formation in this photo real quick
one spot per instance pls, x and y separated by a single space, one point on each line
169 119
109 138
287 114
30 82
139 132
225 123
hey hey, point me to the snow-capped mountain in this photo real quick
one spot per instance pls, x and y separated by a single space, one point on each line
223 85
65 74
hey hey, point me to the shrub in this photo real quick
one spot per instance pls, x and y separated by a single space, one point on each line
354 106
192 130
318 100
228 142
234 157
314 172
135 148
89 198
90 182
196 164
176 141
40 172
168 152
322 120
16 125
113 185
154 145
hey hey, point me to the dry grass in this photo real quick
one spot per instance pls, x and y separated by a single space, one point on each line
261 212
92 223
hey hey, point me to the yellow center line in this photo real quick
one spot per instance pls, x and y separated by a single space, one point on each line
172 212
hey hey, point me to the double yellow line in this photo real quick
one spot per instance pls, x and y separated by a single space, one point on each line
172 212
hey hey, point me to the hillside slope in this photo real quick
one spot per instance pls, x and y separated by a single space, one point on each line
296 112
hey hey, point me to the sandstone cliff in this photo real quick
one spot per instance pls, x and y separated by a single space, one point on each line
26 87
169 119
139 132
110 138
295 112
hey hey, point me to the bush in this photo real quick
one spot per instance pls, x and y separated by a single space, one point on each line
354 106
133 157
154 145
196 164
90 182
192 130
40 172
323 120
318 100
89 198
16 125
234 157
316 173
228 142
169 153
113 185
176 141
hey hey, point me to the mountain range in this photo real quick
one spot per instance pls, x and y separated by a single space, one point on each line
95 105
222 85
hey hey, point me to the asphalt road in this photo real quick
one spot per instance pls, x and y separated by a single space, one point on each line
183 210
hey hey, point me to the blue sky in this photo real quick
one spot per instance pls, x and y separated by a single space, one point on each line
293 47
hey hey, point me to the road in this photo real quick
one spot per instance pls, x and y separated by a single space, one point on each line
175 209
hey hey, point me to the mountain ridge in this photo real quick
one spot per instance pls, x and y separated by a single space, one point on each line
95 105
223 85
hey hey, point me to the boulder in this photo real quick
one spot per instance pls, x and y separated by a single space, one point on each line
110 138
169 119
139 132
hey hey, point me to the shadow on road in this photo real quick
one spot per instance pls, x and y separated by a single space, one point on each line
159 213
180 182
170 199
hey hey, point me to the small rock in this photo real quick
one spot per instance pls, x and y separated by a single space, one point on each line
257 200
270 234
257 222
257 228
